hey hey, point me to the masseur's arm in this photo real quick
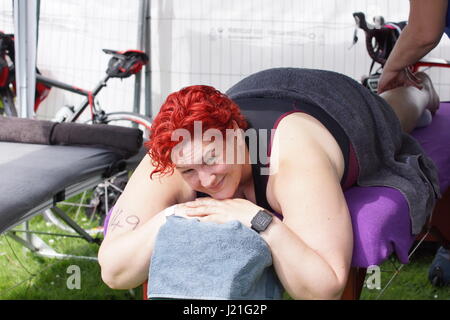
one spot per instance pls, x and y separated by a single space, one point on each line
312 247
125 253
425 27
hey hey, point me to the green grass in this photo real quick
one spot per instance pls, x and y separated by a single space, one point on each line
24 275
412 282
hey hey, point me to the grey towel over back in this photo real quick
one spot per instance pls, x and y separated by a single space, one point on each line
386 155
209 261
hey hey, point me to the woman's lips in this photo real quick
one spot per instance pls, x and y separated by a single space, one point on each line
218 186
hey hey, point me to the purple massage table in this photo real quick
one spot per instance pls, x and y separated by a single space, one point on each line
380 215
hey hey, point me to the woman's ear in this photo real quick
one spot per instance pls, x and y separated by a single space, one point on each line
235 125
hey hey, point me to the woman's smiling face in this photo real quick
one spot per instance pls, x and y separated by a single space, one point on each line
206 167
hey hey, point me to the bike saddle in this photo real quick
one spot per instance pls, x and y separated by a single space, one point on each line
125 63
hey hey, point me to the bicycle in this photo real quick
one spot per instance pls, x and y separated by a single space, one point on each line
121 65
380 40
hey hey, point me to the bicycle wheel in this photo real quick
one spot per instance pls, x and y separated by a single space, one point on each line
99 198
129 119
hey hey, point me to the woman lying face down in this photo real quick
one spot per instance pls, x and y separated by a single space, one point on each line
311 246
295 191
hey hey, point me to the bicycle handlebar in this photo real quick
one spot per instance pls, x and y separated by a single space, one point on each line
380 37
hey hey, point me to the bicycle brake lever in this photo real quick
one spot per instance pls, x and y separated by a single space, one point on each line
355 38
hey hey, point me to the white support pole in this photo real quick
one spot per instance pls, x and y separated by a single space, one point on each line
148 67
143 43
140 46
25 27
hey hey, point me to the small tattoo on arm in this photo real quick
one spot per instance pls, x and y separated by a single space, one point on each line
133 220
116 220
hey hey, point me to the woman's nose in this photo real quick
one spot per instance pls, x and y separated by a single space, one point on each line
206 179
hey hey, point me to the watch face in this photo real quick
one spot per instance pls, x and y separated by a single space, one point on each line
261 220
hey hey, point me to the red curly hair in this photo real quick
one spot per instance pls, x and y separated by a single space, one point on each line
179 111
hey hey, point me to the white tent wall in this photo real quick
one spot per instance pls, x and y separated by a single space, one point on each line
218 42
72 35
214 42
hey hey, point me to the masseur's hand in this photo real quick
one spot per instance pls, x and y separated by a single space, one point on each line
219 211
391 79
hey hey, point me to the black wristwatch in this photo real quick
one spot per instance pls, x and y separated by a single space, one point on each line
261 220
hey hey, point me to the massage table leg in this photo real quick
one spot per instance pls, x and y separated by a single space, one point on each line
144 290
439 225
355 283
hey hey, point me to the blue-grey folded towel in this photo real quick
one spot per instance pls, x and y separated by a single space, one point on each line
206 260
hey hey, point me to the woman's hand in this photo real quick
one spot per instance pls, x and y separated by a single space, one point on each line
219 211
392 79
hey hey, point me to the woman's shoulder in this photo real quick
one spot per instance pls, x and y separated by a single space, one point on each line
296 132
300 136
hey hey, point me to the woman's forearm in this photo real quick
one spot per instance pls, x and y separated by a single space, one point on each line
410 48
125 260
305 274
425 27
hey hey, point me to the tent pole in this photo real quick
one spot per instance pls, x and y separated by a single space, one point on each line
140 46
25 25
148 68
